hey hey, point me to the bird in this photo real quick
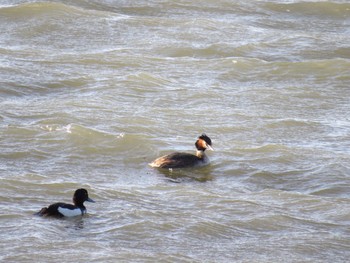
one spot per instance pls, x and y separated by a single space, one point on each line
185 160
68 210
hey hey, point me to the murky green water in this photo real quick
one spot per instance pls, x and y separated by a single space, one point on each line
92 91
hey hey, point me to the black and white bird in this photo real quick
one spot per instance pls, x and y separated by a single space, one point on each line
68 210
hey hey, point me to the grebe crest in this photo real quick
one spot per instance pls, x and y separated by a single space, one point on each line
183 160
203 143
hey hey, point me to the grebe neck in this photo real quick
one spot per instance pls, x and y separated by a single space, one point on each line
200 154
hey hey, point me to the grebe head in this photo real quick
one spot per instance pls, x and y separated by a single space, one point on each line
203 143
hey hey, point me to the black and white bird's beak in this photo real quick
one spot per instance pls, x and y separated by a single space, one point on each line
90 200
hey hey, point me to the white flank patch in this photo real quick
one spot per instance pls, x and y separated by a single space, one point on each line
69 212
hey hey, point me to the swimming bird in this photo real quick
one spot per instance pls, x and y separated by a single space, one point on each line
184 160
68 210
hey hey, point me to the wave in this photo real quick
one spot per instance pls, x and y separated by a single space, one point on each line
52 9
319 9
322 70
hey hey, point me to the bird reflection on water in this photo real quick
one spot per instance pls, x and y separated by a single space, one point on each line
200 174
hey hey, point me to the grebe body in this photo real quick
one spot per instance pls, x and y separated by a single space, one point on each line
184 160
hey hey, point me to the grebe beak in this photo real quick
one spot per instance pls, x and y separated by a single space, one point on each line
209 147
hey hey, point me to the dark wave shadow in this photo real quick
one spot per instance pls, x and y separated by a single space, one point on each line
181 175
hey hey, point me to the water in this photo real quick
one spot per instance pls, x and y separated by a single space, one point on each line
92 91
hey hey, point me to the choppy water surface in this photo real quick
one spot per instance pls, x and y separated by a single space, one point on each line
91 91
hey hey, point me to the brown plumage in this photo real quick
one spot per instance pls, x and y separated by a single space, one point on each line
183 160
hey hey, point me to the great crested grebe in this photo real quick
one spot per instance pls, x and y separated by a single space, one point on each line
68 210
183 160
